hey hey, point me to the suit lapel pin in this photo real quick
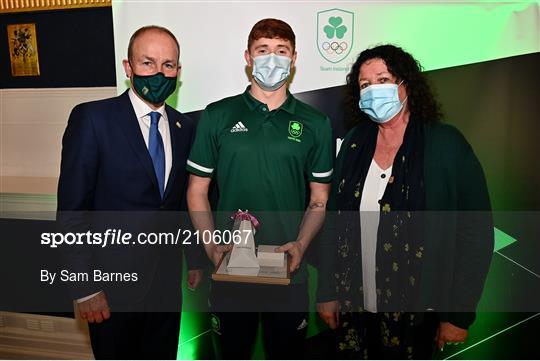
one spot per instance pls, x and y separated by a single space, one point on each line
178 125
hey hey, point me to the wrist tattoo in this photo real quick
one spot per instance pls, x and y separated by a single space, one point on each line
316 205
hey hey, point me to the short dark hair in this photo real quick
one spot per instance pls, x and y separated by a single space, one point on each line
271 29
143 30
420 98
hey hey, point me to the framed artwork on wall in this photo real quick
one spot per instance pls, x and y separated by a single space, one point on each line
23 50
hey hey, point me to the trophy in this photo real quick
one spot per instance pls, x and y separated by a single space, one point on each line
247 263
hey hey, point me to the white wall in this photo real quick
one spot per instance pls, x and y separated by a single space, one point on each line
32 122
213 36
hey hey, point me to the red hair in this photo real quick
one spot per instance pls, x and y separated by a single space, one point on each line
271 29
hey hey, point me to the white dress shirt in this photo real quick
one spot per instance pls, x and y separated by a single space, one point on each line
374 187
142 111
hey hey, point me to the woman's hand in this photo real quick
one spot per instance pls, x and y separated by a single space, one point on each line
448 333
329 312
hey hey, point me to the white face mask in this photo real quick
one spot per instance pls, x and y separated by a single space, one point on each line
271 71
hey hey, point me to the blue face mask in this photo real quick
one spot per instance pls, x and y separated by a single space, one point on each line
271 71
380 102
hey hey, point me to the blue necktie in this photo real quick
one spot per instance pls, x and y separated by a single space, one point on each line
157 152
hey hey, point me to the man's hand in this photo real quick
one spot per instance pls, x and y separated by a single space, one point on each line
311 224
296 251
448 333
194 278
329 312
95 309
217 252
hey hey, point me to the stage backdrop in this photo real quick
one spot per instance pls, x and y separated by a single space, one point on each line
213 37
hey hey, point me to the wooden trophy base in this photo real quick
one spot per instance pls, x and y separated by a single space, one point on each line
268 275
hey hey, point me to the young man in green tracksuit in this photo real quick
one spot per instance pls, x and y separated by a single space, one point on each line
266 150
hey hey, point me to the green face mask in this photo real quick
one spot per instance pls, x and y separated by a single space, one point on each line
154 88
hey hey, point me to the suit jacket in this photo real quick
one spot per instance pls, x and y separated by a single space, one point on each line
107 181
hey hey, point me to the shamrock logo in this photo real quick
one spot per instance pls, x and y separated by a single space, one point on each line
216 324
295 128
335 27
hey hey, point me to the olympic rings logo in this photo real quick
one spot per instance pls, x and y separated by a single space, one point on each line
334 47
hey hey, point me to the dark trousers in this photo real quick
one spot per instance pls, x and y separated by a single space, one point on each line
237 310
131 335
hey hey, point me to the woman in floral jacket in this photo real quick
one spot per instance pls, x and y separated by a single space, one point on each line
412 227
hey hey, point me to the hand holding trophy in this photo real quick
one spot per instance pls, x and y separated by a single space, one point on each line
247 263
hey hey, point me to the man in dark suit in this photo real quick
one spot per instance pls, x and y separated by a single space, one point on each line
120 155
